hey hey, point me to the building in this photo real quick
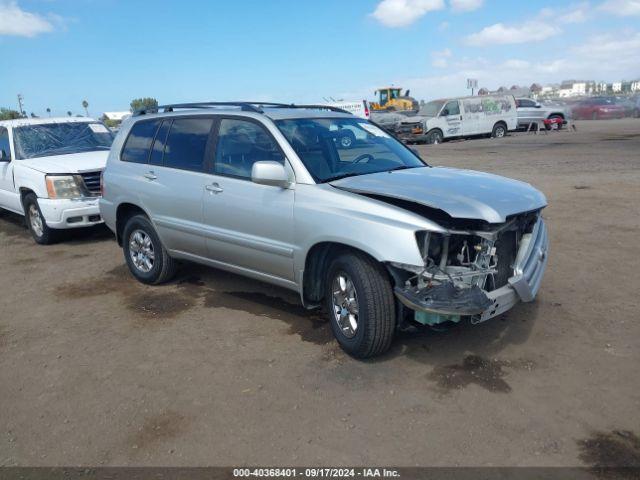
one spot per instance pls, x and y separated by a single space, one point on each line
114 119
616 87
572 88
602 88
116 116
635 86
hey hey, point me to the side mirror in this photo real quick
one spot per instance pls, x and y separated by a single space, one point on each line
269 173
4 156
538 105
445 112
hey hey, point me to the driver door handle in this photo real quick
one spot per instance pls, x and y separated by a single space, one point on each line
150 176
214 188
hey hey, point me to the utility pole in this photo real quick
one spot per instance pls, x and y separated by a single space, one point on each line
20 100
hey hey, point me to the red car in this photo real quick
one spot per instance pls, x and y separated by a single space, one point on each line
598 108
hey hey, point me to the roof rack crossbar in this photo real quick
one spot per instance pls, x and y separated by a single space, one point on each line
246 106
315 107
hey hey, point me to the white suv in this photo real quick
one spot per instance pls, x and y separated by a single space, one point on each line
50 172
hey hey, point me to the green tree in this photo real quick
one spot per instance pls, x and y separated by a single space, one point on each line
143 103
85 105
49 111
69 112
8 114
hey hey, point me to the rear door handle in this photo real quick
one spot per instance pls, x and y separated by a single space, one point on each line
150 176
214 188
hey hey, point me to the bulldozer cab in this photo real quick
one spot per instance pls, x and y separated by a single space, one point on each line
387 94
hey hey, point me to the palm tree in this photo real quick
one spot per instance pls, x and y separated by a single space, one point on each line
85 105
49 111
69 112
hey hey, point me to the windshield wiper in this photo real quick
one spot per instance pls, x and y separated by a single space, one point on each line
403 167
343 175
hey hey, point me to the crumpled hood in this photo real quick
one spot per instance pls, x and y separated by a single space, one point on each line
71 163
460 193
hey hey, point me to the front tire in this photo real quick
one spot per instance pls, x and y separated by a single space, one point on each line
435 137
360 304
36 223
144 253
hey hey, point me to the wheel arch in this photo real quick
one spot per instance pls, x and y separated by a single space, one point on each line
24 191
316 264
123 213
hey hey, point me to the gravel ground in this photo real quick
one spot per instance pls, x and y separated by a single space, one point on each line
215 369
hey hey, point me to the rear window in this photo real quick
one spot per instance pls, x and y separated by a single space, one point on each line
136 148
186 143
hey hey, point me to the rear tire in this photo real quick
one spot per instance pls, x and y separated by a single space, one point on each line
144 253
360 304
499 130
36 223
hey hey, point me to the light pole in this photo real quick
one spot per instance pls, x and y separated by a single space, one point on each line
20 100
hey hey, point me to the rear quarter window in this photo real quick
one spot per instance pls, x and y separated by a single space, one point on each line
138 143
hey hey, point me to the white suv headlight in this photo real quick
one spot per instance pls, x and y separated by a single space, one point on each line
65 186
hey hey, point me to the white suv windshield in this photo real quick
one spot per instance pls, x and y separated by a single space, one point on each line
333 148
60 139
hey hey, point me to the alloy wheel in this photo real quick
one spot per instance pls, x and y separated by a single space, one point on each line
345 304
35 219
141 251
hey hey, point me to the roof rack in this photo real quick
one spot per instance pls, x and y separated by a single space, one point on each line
255 107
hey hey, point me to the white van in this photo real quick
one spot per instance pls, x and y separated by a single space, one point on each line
461 117
359 108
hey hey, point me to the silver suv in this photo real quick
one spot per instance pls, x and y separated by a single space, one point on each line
371 231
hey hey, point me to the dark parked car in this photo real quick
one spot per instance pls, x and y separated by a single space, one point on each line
598 108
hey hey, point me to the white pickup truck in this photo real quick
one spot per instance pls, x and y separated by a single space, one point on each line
50 172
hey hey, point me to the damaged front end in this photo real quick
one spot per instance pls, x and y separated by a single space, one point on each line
475 269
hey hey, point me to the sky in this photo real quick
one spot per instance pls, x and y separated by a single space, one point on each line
57 53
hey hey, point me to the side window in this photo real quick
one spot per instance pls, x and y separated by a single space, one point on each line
136 148
186 143
157 150
451 108
4 142
240 144
527 103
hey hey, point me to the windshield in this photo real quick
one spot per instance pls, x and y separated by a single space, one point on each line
431 109
47 139
333 148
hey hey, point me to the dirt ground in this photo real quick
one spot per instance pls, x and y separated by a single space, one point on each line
215 369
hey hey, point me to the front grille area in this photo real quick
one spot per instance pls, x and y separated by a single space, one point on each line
92 182
409 127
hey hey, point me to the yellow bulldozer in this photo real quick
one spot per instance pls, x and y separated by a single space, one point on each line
391 99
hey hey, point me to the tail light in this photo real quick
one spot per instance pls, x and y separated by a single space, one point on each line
366 108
